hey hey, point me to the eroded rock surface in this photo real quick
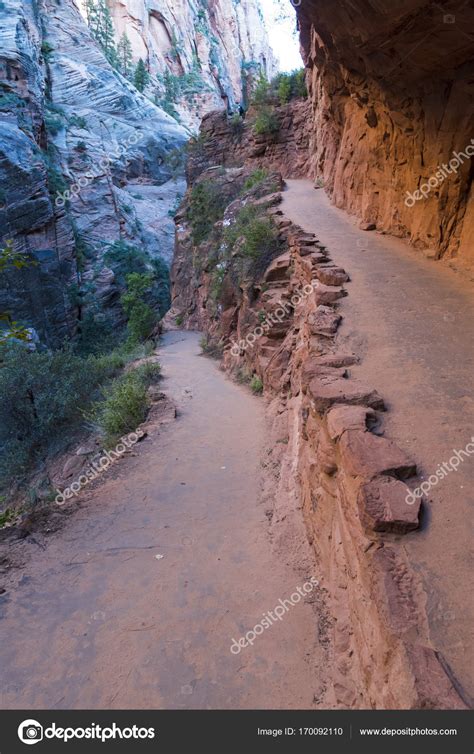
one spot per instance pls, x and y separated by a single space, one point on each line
391 104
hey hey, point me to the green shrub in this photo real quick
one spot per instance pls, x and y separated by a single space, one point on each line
258 176
261 94
217 280
287 86
141 321
56 181
236 124
78 121
141 317
211 347
150 371
179 320
124 259
256 385
299 83
206 207
266 123
46 394
258 232
53 122
124 406
46 49
284 89
6 516
243 376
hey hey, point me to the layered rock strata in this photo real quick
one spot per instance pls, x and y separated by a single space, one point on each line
204 50
70 123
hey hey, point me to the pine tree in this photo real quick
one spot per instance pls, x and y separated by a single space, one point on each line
141 76
124 54
92 16
106 32
99 20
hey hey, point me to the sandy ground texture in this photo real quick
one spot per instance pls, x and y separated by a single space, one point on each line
412 321
135 600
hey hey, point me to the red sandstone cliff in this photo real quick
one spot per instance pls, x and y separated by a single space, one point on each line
392 101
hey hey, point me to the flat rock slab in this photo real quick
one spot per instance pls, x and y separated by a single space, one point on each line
383 507
337 359
325 392
366 455
328 294
341 418
324 321
278 270
333 276
312 368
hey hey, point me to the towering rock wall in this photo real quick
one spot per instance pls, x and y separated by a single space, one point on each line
87 163
391 87
202 50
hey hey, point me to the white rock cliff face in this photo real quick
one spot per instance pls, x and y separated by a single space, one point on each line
69 121
219 41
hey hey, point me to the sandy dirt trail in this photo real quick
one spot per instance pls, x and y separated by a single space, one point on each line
98 620
412 321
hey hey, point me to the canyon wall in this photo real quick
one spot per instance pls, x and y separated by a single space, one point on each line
392 102
198 54
233 142
70 123
91 169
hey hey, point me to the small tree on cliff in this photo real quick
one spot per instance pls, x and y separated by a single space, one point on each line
124 54
141 77
99 20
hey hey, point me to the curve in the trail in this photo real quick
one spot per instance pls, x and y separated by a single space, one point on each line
135 602
412 321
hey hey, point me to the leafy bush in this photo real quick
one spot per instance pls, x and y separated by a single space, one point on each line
141 317
206 207
236 124
258 175
125 403
258 232
284 89
256 385
266 123
261 94
56 181
124 406
211 347
288 86
124 259
78 121
46 393
47 49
